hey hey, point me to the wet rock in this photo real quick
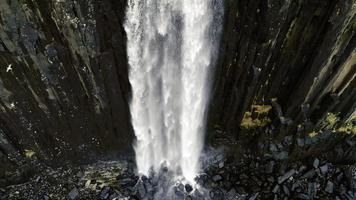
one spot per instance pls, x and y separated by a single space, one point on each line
312 188
202 179
286 176
87 184
197 195
329 187
116 195
281 155
316 163
104 194
221 164
38 179
302 168
216 194
188 198
253 197
179 190
219 157
232 195
73 194
149 187
309 174
349 196
276 189
295 185
188 188
140 186
286 190
126 182
303 196
273 147
217 178
324 169
144 178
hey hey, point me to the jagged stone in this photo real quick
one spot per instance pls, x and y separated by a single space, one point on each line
253 197
217 178
303 196
216 194
309 174
73 194
312 189
316 163
329 187
188 188
286 176
221 164
105 192
286 190
276 189
283 155
324 169
232 195
141 189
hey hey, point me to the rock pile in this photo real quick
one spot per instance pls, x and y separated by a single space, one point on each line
249 178
272 179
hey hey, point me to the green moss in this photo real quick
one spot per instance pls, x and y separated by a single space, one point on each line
332 122
261 109
261 120
348 128
332 119
29 153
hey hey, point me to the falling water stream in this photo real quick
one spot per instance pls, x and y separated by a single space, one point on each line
171 46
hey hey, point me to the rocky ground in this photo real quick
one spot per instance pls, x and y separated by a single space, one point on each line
247 179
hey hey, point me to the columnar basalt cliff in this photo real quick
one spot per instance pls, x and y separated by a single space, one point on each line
286 70
64 81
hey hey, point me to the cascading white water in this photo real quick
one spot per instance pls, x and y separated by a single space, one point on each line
170 45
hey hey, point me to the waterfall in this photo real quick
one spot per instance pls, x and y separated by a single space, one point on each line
170 47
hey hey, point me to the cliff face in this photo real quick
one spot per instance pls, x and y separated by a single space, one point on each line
288 67
64 86
285 67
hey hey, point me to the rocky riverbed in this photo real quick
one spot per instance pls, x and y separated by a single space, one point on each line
248 178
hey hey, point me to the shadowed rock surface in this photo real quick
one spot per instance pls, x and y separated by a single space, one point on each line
63 82
286 68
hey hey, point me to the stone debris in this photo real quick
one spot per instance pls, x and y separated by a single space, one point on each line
316 163
73 193
286 176
329 187
188 188
217 178
247 179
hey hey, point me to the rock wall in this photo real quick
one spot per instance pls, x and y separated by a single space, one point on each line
64 87
286 67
